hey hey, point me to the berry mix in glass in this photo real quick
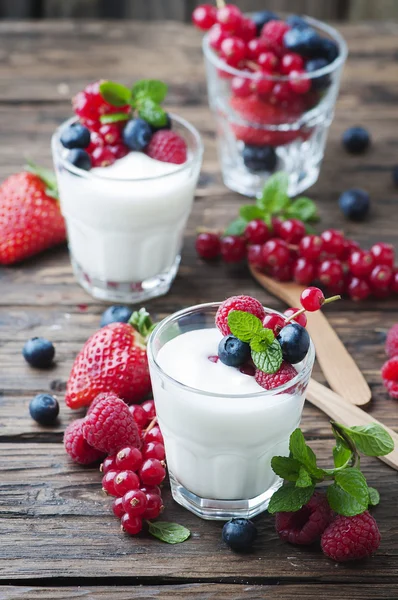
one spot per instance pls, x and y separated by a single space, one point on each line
272 86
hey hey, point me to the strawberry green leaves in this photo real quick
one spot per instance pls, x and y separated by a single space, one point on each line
47 176
265 349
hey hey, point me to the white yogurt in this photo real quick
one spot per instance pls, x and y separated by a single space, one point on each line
219 447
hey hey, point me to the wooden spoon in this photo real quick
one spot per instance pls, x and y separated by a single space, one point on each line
339 410
339 368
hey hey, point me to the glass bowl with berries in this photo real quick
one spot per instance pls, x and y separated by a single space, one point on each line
272 85
127 172
229 382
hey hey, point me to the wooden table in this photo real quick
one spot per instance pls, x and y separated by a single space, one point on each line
58 539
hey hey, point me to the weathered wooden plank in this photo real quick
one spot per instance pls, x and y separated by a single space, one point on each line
368 9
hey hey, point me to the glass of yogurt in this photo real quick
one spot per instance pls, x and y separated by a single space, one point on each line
220 428
126 221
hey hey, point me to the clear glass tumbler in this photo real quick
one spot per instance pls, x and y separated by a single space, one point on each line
125 235
219 447
291 129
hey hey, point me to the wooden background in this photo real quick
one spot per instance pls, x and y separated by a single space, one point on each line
181 10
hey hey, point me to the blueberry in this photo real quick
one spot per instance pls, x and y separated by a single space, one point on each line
355 204
44 409
39 352
259 158
232 352
314 64
302 41
262 17
356 140
239 534
75 136
294 341
167 126
395 175
137 134
116 314
327 49
80 158
297 22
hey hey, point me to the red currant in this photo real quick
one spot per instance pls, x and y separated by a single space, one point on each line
233 248
283 273
330 272
276 223
300 319
208 245
154 450
257 232
140 416
291 62
383 254
151 489
312 299
241 87
394 282
276 253
333 243
204 16
131 525
292 231
298 82
154 435
119 150
125 481
233 50
274 322
248 30
282 93
268 62
361 263
256 47
275 32
216 36
108 464
108 482
149 407
117 508
129 459
381 277
154 506
304 271
152 472
255 256
111 133
135 502
349 247
230 18
102 156
358 289
262 86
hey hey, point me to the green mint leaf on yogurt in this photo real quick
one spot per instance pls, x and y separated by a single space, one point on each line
374 496
171 533
151 89
290 498
152 112
262 340
372 439
244 325
114 118
270 360
115 93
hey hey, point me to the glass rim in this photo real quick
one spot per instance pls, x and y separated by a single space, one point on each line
306 370
196 157
330 68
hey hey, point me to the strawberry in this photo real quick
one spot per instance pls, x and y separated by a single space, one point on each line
30 218
113 360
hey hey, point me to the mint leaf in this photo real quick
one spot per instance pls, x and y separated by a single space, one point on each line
274 197
374 496
304 454
341 454
152 89
261 340
286 467
303 209
152 113
269 360
236 227
304 479
248 212
372 439
290 498
115 93
114 118
349 494
172 533
244 325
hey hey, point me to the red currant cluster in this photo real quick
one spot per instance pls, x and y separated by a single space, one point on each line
286 253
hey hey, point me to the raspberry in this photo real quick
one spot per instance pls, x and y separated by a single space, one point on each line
76 446
273 32
389 370
392 342
167 146
392 388
351 538
243 303
306 525
110 426
270 381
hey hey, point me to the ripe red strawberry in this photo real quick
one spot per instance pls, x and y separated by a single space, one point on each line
167 146
30 220
112 360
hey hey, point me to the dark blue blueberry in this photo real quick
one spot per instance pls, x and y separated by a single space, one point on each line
239 534
302 41
137 134
322 82
39 352
395 175
167 126
356 140
44 409
297 22
116 314
355 204
259 158
327 49
232 352
294 341
80 158
75 136
192 321
262 17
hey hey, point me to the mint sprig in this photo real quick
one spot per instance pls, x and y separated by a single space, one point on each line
349 493
171 533
266 351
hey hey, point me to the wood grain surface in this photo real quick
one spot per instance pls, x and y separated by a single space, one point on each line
58 537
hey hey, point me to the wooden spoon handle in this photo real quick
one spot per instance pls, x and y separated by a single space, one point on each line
339 368
339 410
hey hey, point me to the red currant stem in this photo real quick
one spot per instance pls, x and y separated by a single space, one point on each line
292 246
207 230
296 314
220 3
252 65
331 299
151 425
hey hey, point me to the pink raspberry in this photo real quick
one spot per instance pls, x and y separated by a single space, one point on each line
167 146
110 426
392 342
392 388
306 525
99 398
274 32
244 303
351 538
270 381
76 446
389 370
